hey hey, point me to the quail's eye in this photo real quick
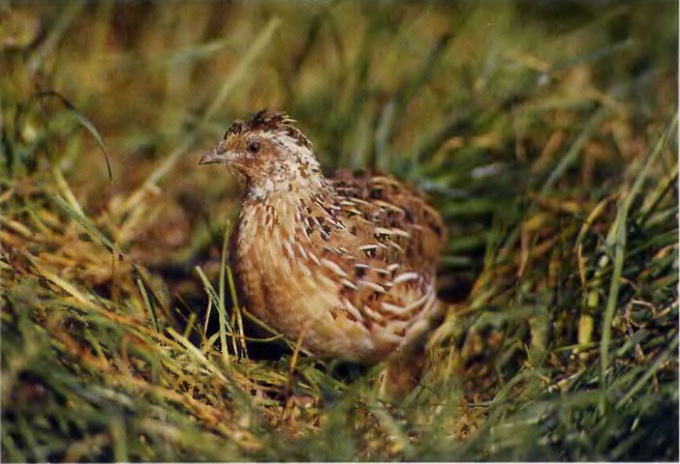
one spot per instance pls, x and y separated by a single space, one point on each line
253 147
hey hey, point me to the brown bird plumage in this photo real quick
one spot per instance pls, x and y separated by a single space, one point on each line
346 263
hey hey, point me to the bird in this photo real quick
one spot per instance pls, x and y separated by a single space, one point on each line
343 265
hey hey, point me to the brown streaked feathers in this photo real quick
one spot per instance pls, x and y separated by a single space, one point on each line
346 262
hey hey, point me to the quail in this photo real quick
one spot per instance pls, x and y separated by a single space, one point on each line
342 264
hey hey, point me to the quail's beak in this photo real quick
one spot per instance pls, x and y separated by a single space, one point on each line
214 156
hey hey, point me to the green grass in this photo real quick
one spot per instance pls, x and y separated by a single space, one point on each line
546 135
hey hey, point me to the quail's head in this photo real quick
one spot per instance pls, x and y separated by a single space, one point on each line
268 152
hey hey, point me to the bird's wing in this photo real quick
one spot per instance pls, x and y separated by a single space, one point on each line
388 212
380 241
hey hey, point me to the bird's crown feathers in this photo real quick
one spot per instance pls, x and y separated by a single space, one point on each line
269 121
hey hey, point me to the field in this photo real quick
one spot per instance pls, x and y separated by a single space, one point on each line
545 133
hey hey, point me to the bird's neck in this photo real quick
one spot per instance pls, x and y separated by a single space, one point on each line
278 185
288 191
277 207
296 173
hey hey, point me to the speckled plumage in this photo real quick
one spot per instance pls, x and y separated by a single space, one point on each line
346 263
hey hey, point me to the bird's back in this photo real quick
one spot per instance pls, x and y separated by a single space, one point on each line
396 214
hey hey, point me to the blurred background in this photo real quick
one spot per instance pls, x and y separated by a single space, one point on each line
532 125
